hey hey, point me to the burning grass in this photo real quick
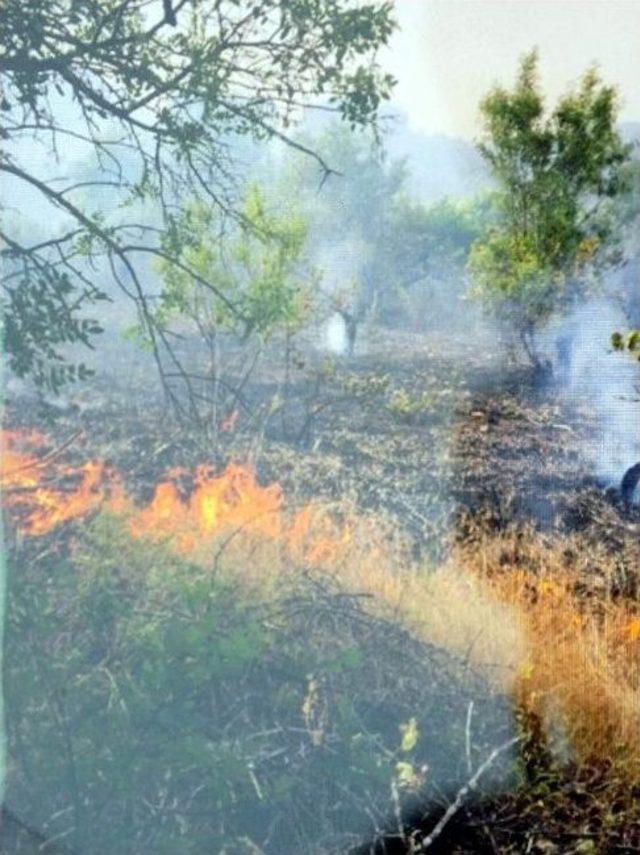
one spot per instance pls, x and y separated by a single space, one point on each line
180 700
40 490
542 616
190 511
206 517
548 620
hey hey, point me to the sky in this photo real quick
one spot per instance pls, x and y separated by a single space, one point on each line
448 53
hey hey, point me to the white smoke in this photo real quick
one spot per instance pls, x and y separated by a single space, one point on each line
335 335
604 385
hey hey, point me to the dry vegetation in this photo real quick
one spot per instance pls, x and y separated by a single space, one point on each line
528 581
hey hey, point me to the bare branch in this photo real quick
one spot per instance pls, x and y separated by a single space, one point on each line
462 794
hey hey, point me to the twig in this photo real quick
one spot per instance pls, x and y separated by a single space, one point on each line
47 458
463 792
397 809
467 737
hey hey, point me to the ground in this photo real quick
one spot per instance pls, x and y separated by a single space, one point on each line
448 442
419 427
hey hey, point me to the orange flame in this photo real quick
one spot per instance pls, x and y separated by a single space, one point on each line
41 493
231 500
229 422
314 537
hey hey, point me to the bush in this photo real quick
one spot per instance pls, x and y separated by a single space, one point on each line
157 706
410 408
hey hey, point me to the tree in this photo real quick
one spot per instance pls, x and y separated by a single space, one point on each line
383 252
557 175
627 211
351 215
428 252
263 283
154 93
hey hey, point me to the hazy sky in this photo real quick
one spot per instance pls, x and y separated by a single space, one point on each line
449 52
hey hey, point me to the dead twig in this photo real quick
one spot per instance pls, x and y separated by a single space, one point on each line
47 458
462 794
467 738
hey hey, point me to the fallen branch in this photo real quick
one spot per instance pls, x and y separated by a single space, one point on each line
463 792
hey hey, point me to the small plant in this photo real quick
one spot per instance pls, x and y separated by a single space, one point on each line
409 408
627 342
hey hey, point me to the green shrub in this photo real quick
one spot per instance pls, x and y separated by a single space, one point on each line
155 706
409 407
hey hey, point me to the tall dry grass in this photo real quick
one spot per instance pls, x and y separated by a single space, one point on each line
541 617
582 638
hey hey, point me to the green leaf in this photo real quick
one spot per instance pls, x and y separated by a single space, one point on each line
410 735
405 774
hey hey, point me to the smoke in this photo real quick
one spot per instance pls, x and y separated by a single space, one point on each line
339 264
335 335
601 383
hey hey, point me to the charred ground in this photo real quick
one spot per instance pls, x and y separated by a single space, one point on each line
451 447
420 427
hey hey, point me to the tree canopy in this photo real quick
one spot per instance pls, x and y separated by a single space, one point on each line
258 270
556 175
154 93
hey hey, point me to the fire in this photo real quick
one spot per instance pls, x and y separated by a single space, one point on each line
231 500
315 537
41 493
631 630
229 422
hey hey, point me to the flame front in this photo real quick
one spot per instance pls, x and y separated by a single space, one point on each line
41 493
230 500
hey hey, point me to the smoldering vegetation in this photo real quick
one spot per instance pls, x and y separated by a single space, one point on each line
357 576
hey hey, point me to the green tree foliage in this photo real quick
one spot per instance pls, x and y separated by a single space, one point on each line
446 229
429 252
41 315
154 98
257 268
230 286
399 255
626 289
353 213
627 342
627 213
557 175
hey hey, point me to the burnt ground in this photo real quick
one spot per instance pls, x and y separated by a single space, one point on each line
426 431
418 429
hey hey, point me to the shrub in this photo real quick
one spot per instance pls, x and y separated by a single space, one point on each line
155 705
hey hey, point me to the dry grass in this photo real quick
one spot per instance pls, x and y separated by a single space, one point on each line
582 640
542 617
445 606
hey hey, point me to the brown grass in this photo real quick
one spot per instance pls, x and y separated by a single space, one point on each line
582 641
542 617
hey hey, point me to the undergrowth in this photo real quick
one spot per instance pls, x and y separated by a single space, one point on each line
254 700
156 704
